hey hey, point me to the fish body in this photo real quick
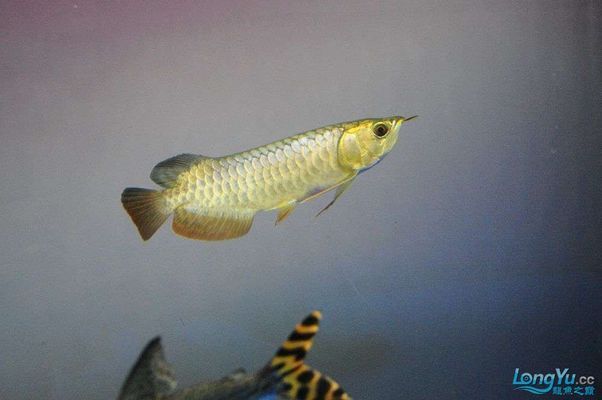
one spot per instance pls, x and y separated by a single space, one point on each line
285 376
216 198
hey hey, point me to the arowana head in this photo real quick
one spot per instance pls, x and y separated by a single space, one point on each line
365 142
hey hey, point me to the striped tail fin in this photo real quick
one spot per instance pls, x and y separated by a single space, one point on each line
298 381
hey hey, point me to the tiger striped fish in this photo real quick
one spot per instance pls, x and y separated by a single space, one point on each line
285 376
216 198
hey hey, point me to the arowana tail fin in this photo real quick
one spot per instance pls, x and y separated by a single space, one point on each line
298 381
150 377
146 208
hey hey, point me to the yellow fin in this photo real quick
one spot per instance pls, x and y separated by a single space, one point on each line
285 211
297 380
211 224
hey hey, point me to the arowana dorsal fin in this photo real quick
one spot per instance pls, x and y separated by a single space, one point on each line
150 377
298 381
166 172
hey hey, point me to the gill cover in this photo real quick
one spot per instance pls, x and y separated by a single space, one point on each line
364 143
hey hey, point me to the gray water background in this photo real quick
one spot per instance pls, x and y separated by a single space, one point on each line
472 250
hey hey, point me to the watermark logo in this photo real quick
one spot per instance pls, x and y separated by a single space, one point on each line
559 382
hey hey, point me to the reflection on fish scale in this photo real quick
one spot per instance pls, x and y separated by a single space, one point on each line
217 198
285 376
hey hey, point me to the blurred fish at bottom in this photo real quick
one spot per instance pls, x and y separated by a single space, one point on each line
285 376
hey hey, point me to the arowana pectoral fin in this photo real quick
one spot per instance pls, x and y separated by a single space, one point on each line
340 190
319 193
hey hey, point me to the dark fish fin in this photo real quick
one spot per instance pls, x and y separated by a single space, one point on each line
340 190
297 380
285 211
212 224
166 172
150 377
146 208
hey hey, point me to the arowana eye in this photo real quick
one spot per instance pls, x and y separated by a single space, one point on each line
380 130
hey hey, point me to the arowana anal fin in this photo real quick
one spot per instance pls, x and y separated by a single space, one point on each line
167 171
212 224
151 376
298 380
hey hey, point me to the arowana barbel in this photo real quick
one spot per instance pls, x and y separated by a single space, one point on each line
285 376
216 198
